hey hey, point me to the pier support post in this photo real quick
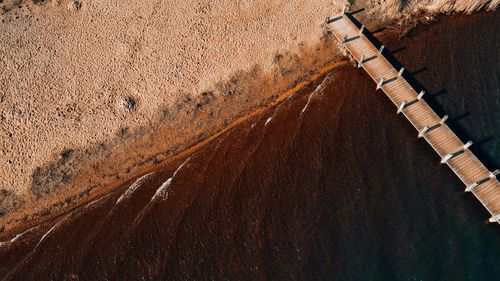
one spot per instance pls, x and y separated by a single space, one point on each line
361 30
401 107
491 176
446 158
361 60
401 71
380 83
449 156
422 132
494 173
420 95
495 218
381 49
426 129
471 187
467 145
345 39
330 19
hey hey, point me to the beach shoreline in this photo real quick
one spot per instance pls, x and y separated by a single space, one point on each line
69 175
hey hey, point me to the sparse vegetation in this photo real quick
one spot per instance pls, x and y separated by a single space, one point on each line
130 103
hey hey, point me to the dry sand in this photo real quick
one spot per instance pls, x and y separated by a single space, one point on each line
94 92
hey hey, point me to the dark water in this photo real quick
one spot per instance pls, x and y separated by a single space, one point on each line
339 191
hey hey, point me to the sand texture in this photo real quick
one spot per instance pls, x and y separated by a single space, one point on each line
94 92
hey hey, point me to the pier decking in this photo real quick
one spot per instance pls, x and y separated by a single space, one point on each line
476 177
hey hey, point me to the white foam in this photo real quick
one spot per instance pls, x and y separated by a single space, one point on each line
162 191
307 104
51 229
48 232
180 167
313 94
268 120
132 188
19 235
16 237
97 200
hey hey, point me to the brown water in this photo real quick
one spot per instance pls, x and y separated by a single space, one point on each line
330 185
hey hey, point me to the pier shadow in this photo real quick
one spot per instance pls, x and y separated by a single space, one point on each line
355 12
438 93
413 73
479 147
398 50
485 140
378 30
459 117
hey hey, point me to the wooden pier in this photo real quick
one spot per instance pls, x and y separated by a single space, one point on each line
477 179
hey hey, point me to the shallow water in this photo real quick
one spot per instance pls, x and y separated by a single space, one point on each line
335 186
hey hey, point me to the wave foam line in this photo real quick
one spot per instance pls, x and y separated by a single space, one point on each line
132 188
162 191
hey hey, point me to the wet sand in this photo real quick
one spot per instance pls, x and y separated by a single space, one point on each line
330 184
